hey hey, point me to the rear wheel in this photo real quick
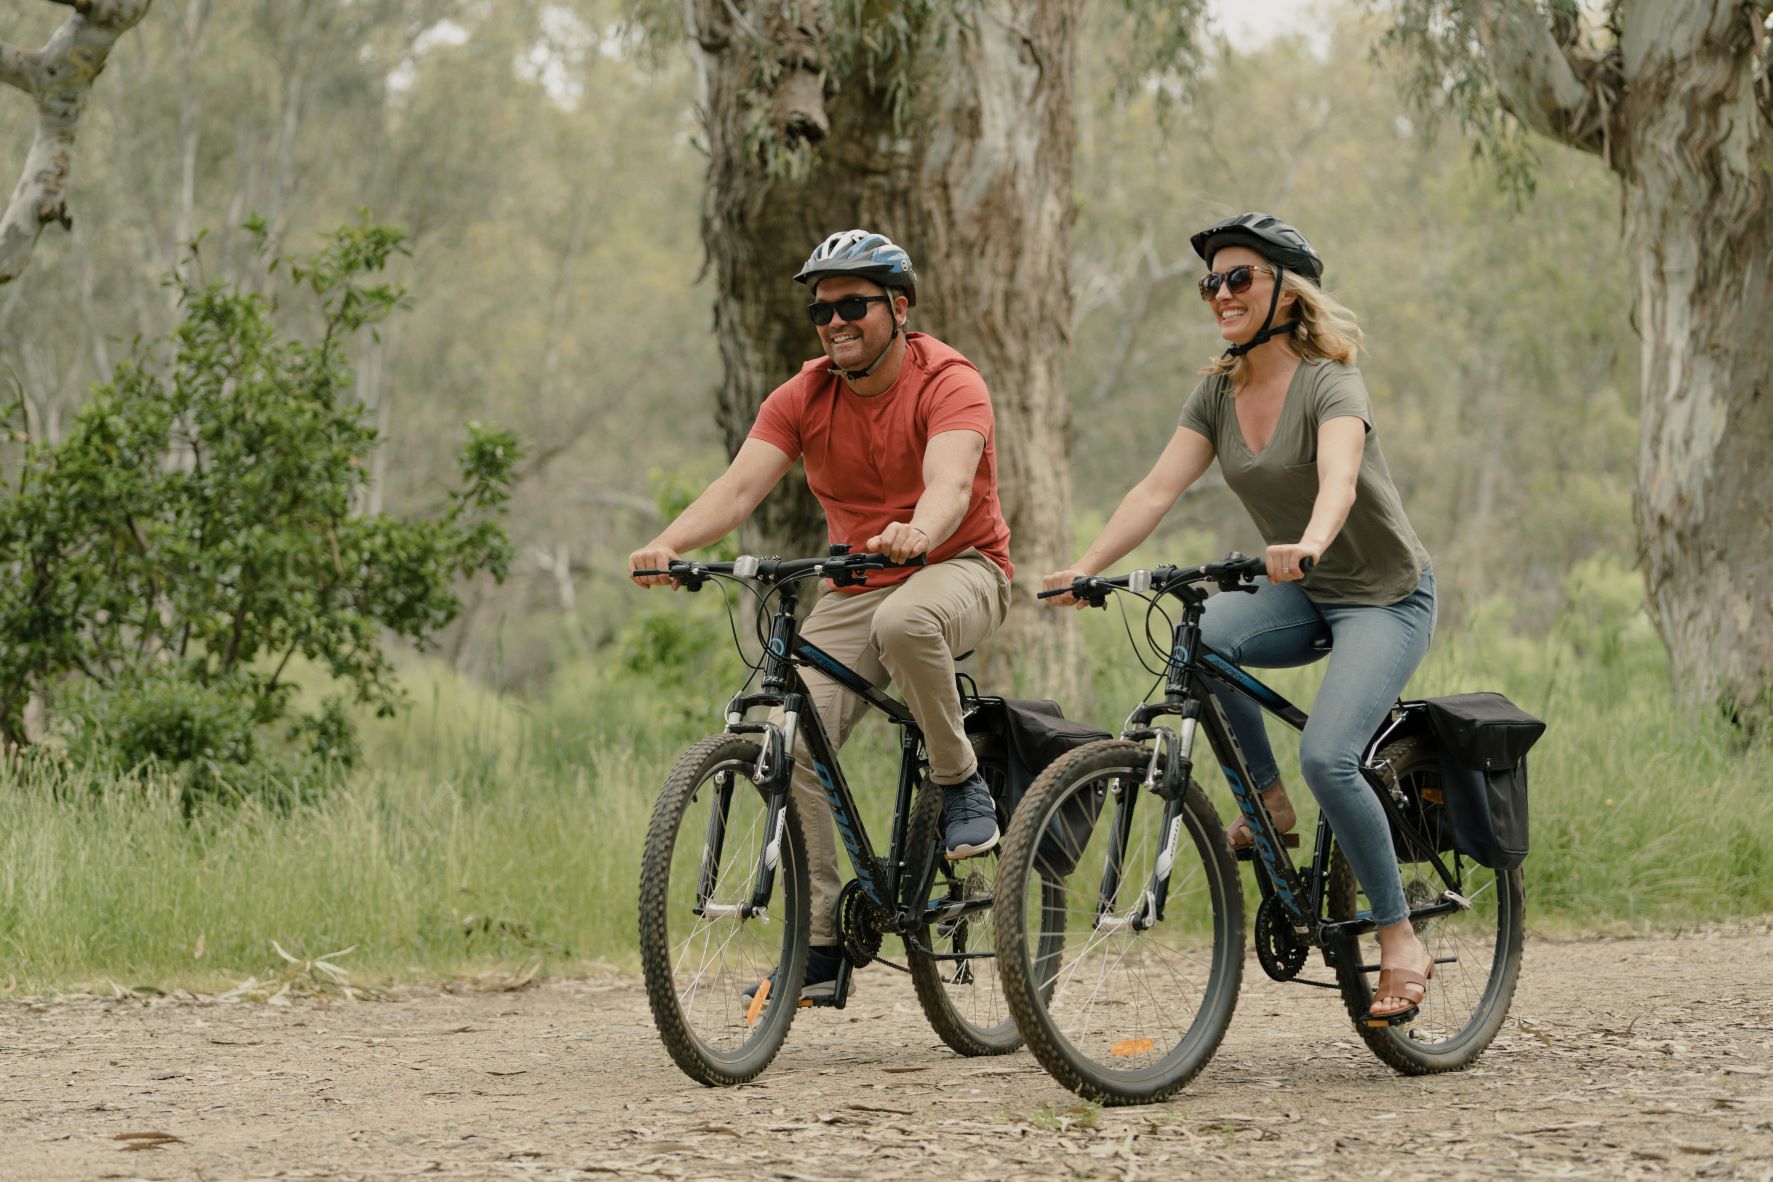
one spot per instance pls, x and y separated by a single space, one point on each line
957 978
699 949
1477 951
1121 1005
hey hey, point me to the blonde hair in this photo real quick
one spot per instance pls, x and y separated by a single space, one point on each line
1327 331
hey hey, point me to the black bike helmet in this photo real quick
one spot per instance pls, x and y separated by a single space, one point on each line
862 252
1275 241
1268 236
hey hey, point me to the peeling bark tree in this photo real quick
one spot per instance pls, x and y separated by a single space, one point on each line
973 177
58 77
1678 100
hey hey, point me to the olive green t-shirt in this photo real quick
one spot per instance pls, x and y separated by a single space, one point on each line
1377 557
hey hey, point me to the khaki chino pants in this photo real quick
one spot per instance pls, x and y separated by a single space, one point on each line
905 635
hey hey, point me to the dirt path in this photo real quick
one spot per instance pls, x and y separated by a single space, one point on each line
1607 1070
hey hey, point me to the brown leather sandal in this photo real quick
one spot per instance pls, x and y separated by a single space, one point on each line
1396 983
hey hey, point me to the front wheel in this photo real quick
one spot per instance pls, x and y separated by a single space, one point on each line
1477 951
1123 998
701 945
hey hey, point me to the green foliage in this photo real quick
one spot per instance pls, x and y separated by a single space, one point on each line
1445 71
201 526
684 643
1157 47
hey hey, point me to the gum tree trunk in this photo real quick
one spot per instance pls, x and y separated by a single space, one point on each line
57 77
976 185
1681 107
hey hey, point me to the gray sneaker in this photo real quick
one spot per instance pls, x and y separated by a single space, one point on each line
971 827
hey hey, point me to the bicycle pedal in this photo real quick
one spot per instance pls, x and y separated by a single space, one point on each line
1247 853
1401 1018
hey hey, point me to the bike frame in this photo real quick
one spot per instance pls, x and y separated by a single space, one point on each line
1192 669
784 689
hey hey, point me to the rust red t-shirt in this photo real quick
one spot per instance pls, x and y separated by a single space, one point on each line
864 456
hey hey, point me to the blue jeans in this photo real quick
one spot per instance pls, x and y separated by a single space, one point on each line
1376 648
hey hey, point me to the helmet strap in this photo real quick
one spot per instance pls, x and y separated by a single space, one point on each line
1269 329
856 375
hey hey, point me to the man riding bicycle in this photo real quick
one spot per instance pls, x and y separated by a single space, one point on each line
896 430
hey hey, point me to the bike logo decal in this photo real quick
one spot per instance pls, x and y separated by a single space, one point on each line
776 646
1282 885
841 816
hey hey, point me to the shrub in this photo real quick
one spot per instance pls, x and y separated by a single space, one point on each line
201 527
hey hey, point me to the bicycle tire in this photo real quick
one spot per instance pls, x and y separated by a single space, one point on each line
963 1000
698 966
1477 952
1116 1014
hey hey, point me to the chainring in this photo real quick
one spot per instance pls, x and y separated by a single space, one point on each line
859 924
1279 949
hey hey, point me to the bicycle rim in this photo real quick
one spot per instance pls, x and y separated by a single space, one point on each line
699 953
1119 1012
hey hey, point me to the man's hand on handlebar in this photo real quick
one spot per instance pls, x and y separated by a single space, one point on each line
652 556
899 541
1064 578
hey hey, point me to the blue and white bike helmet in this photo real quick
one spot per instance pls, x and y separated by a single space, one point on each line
865 253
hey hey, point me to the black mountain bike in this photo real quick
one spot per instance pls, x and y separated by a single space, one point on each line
723 883
1124 977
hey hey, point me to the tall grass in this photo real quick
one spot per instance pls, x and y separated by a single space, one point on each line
489 832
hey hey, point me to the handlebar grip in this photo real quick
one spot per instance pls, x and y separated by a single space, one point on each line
637 573
876 561
1305 565
1053 594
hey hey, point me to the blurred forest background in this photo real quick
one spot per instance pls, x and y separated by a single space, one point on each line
547 168
546 159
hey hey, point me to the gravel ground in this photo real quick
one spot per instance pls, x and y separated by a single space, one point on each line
1622 1058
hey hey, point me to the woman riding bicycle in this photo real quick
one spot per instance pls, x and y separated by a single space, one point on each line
1287 414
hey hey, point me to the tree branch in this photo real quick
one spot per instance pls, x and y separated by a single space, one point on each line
59 76
1557 91
20 69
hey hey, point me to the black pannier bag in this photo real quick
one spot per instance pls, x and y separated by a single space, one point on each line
1483 741
1034 734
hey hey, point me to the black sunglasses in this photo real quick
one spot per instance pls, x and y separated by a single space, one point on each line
850 307
1236 280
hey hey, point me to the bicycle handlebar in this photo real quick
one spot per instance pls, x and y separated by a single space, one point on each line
844 570
1229 572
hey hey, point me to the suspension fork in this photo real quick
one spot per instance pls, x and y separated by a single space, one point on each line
1109 890
772 775
714 840
1166 779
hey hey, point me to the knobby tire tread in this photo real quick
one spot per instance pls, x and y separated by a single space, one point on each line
1226 888
1392 1044
791 894
923 832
